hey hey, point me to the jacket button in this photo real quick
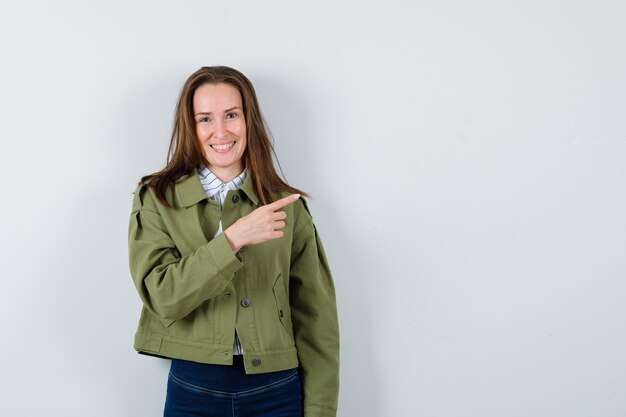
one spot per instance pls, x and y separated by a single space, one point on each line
245 302
236 198
256 361
280 313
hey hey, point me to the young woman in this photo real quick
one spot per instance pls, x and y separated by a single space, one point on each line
233 277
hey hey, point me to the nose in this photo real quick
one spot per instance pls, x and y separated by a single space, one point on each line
220 129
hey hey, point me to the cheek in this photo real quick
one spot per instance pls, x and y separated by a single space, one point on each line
202 131
241 129
243 139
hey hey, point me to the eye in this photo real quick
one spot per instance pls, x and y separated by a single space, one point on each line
204 119
231 115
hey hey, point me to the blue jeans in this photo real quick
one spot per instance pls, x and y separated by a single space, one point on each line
197 389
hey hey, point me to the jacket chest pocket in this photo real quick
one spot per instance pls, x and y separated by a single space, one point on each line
282 305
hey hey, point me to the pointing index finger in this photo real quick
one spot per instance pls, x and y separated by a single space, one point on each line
283 202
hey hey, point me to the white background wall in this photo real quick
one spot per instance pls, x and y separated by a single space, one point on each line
468 164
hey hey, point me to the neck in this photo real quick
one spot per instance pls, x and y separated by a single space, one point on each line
226 174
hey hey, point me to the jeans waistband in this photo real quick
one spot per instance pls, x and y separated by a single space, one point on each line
226 378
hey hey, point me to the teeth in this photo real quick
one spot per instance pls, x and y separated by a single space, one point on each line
222 147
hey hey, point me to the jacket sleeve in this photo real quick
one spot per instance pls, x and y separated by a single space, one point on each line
315 323
170 285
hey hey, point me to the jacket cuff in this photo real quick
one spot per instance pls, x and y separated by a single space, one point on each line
313 410
223 256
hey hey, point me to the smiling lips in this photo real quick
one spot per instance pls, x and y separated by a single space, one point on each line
223 148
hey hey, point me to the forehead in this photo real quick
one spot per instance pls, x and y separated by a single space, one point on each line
216 97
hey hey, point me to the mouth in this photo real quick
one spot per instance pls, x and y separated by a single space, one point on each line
223 147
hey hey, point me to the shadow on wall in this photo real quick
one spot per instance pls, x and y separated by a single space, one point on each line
288 125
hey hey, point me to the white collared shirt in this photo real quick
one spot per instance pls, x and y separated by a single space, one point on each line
215 189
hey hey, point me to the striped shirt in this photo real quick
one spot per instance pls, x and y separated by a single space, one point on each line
215 189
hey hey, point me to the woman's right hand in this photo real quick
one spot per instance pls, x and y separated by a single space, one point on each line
259 226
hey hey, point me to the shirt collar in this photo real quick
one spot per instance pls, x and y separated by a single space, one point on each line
212 184
190 190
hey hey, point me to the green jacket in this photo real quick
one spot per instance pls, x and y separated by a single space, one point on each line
278 295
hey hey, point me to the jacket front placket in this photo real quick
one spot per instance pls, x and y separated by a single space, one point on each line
237 205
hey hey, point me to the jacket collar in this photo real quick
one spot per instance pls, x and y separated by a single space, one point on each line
190 190
248 188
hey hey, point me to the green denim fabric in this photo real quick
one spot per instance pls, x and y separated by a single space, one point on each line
279 295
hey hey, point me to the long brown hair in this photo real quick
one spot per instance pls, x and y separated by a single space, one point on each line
185 152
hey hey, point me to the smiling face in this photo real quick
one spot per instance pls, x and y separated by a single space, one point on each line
221 128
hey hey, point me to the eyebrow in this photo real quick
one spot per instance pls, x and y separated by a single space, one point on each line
225 111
